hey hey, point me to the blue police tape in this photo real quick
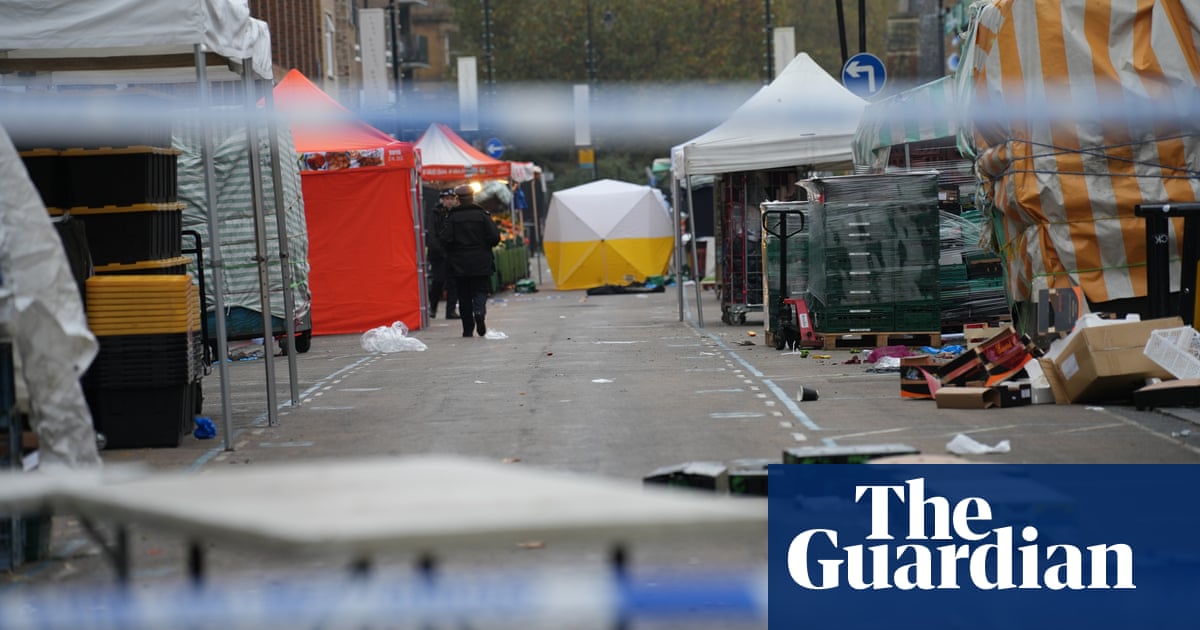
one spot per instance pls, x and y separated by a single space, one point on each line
561 598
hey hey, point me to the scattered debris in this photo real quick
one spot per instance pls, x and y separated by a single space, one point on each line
964 445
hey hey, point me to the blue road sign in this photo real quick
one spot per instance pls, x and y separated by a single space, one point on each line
864 75
494 147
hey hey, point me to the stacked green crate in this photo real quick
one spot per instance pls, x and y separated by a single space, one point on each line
873 253
797 255
973 281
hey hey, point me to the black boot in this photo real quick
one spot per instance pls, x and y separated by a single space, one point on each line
468 328
479 326
451 312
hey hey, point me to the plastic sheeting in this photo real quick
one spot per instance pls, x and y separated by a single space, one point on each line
922 113
57 28
40 302
1068 100
231 155
873 252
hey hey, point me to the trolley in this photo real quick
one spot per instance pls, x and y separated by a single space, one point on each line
741 275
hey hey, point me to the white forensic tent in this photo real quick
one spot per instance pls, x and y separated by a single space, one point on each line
606 233
124 43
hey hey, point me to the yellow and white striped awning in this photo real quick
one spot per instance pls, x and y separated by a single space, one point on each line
1044 80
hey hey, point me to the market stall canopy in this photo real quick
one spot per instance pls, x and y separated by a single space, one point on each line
319 123
446 157
359 199
926 112
803 118
1076 119
153 40
607 233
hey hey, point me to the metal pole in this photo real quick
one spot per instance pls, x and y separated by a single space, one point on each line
391 12
260 239
591 58
487 45
768 30
675 232
285 259
591 76
216 259
692 217
862 25
418 212
841 21
537 231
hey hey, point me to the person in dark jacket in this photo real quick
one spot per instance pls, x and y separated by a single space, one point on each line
468 235
439 276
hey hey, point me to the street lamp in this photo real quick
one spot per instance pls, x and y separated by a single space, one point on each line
609 19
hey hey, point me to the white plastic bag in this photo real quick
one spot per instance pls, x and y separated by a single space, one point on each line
964 445
392 338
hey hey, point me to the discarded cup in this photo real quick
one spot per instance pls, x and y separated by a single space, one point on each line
807 394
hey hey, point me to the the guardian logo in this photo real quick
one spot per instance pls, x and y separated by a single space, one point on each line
952 549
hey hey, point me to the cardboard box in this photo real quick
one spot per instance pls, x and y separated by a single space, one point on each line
1058 385
1015 393
977 333
967 398
1107 362
967 366
919 376
1059 309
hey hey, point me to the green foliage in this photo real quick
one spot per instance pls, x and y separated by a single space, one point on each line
664 40
635 43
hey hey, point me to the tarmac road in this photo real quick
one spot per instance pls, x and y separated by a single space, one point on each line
611 385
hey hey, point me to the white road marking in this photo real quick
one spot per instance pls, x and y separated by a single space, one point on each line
736 414
850 435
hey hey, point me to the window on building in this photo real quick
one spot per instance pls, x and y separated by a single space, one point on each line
330 30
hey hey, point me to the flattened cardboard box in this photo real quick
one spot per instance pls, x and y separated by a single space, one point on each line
967 398
918 376
1107 362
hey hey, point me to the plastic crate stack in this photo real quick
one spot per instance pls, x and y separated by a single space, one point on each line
972 280
11 525
123 188
142 386
125 197
873 254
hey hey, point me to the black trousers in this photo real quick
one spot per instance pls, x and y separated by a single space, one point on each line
472 298
439 282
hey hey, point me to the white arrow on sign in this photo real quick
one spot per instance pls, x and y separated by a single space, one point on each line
853 69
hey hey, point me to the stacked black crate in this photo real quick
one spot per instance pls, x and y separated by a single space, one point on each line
141 386
11 526
873 254
123 188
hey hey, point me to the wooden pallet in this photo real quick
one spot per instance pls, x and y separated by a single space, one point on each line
836 341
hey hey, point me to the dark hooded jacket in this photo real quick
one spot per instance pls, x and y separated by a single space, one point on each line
468 235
